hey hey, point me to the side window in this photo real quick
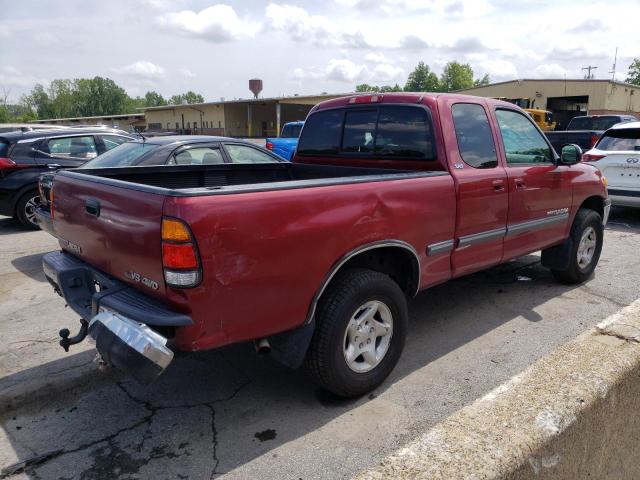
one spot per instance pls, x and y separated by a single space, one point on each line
112 141
321 134
83 148
246 154
404 132
523 143
473 133
198 156
359 131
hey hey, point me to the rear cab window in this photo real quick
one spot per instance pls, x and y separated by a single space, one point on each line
291 131
127 154
619 140
603 122
385 131
473 132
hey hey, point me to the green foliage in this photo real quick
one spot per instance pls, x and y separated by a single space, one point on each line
86 97
4 114
365 87
481 82
633 75
456 76
422 79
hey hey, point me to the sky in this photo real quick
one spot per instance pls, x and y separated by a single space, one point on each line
305 47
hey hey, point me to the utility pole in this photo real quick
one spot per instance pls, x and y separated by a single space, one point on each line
613 70
589 75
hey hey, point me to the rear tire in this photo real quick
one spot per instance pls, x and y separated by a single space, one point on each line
587 235
360 333
26 209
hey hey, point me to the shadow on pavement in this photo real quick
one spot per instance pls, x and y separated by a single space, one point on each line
624 219
8 226
31 266
183 424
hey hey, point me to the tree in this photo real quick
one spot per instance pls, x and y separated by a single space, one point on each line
365 87
100 96
154 99
456 76
189 98
4 114
633 75
422 79
481 82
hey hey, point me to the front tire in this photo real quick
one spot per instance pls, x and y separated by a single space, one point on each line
26 209
360 333
587 235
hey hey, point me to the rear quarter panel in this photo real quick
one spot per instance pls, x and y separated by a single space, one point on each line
265 254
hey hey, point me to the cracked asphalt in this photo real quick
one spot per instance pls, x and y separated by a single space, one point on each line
231 414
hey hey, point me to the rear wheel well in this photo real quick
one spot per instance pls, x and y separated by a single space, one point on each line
398 263
594 203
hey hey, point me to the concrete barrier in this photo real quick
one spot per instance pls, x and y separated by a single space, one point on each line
574 414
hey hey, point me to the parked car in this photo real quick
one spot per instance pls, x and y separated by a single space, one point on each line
285 145
26 127
160 150
617 156
315 259
24 155
585 131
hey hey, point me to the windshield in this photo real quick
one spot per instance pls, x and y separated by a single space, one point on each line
123 155
593 123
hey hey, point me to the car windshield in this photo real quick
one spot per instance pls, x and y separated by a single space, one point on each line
291 131
622 140
123 155
593 123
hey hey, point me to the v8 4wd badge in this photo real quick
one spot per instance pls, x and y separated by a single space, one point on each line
147 282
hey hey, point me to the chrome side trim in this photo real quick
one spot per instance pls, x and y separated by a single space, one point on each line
349 256
481 237
537 224
440 247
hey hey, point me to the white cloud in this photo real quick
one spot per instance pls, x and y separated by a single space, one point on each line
140 69
385 72
550 70
218 23
499 68
185 72
13 77
344 70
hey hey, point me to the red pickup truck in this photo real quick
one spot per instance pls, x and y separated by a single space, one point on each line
387 195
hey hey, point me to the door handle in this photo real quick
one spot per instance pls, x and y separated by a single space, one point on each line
498 185
92 207
519 182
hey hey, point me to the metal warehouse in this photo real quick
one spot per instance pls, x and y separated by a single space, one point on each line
566 98
259 117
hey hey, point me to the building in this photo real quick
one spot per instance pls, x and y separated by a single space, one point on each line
259 117
129 122
566 98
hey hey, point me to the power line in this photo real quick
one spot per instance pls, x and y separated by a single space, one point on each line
613 70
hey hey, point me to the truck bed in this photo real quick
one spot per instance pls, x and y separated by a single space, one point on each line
224 179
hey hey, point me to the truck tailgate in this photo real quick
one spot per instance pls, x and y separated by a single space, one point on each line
114 229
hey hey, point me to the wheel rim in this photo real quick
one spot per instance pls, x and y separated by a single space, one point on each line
587 247
368 336
30 209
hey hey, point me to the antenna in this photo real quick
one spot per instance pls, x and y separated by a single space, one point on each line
613 70
589 75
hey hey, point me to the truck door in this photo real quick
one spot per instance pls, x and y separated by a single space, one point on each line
540 192
481 186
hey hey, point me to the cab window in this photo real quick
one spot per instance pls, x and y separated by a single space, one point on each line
112 141
246 154
198 156
523 143
83 148
475 141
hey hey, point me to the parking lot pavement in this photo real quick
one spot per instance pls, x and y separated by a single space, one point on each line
232 414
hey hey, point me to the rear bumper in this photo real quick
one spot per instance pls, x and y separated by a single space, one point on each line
624 198
120 318
44 220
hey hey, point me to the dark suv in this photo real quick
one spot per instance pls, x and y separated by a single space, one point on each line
24 155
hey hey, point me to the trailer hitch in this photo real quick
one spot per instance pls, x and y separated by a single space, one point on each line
66 342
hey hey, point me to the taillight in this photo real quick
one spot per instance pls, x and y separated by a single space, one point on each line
366 99
7 164
594 139
269 146
180 258
591 157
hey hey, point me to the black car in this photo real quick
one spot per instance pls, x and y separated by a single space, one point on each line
162 150
24 155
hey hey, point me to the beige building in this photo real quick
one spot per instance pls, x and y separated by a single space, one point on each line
566 98
129 122
260 117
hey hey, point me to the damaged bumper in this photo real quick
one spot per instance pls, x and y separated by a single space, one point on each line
121 320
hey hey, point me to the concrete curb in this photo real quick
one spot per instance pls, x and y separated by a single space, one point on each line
572 414
47 380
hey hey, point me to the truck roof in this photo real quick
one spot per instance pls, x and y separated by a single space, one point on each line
402 97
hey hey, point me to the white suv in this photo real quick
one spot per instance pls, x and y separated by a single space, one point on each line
617 156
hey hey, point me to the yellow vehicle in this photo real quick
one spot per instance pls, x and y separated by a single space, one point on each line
543 118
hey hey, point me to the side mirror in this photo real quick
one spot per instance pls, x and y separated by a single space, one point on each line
570 154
